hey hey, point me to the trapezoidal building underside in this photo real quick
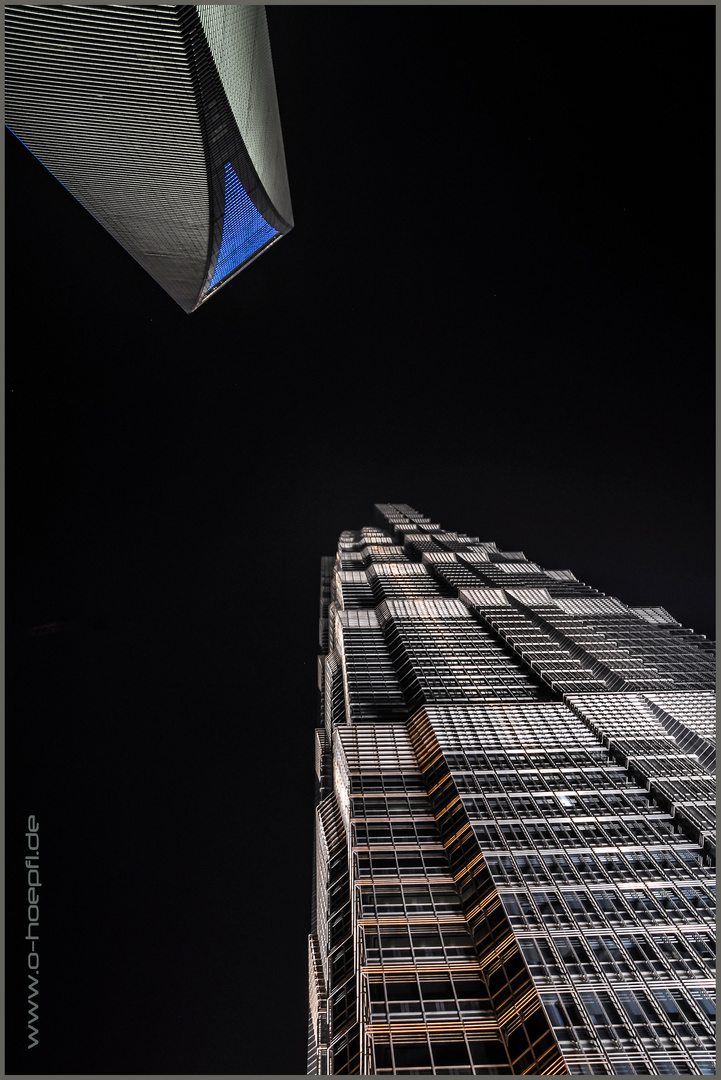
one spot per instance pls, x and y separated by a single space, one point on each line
163 122
515 823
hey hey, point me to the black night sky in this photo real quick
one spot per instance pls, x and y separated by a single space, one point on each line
496 305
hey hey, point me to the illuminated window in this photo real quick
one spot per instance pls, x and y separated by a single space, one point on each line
245 230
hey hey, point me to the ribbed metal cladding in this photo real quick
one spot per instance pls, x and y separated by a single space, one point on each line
88 91
238 38
126 107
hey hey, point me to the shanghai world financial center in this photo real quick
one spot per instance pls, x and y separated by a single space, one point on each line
514 842
162 120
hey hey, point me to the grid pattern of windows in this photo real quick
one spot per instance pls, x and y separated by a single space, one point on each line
396 580
691 719
697 711
656 615
372 688
552 661
442 654
353 589
521 781
587 864
647 657
593 644
583 642
457 574
646 735
326 579
504 573
421 999
333 693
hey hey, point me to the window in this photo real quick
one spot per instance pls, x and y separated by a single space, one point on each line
562 1010
674 1004
601 1007
705 1000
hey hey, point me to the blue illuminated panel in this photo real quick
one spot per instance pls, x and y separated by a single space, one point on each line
244 228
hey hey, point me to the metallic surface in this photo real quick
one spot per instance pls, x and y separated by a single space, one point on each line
126 106
515 825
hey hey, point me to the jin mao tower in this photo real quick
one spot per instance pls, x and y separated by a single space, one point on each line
162 120
514 843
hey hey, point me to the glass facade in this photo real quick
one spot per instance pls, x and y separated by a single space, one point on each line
245 231
162 120
514 861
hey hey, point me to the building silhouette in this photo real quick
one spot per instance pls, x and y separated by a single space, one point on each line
514 845
163 122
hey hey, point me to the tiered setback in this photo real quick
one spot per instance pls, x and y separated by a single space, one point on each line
515 825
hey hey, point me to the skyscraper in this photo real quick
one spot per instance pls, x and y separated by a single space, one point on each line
514 831
162 120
